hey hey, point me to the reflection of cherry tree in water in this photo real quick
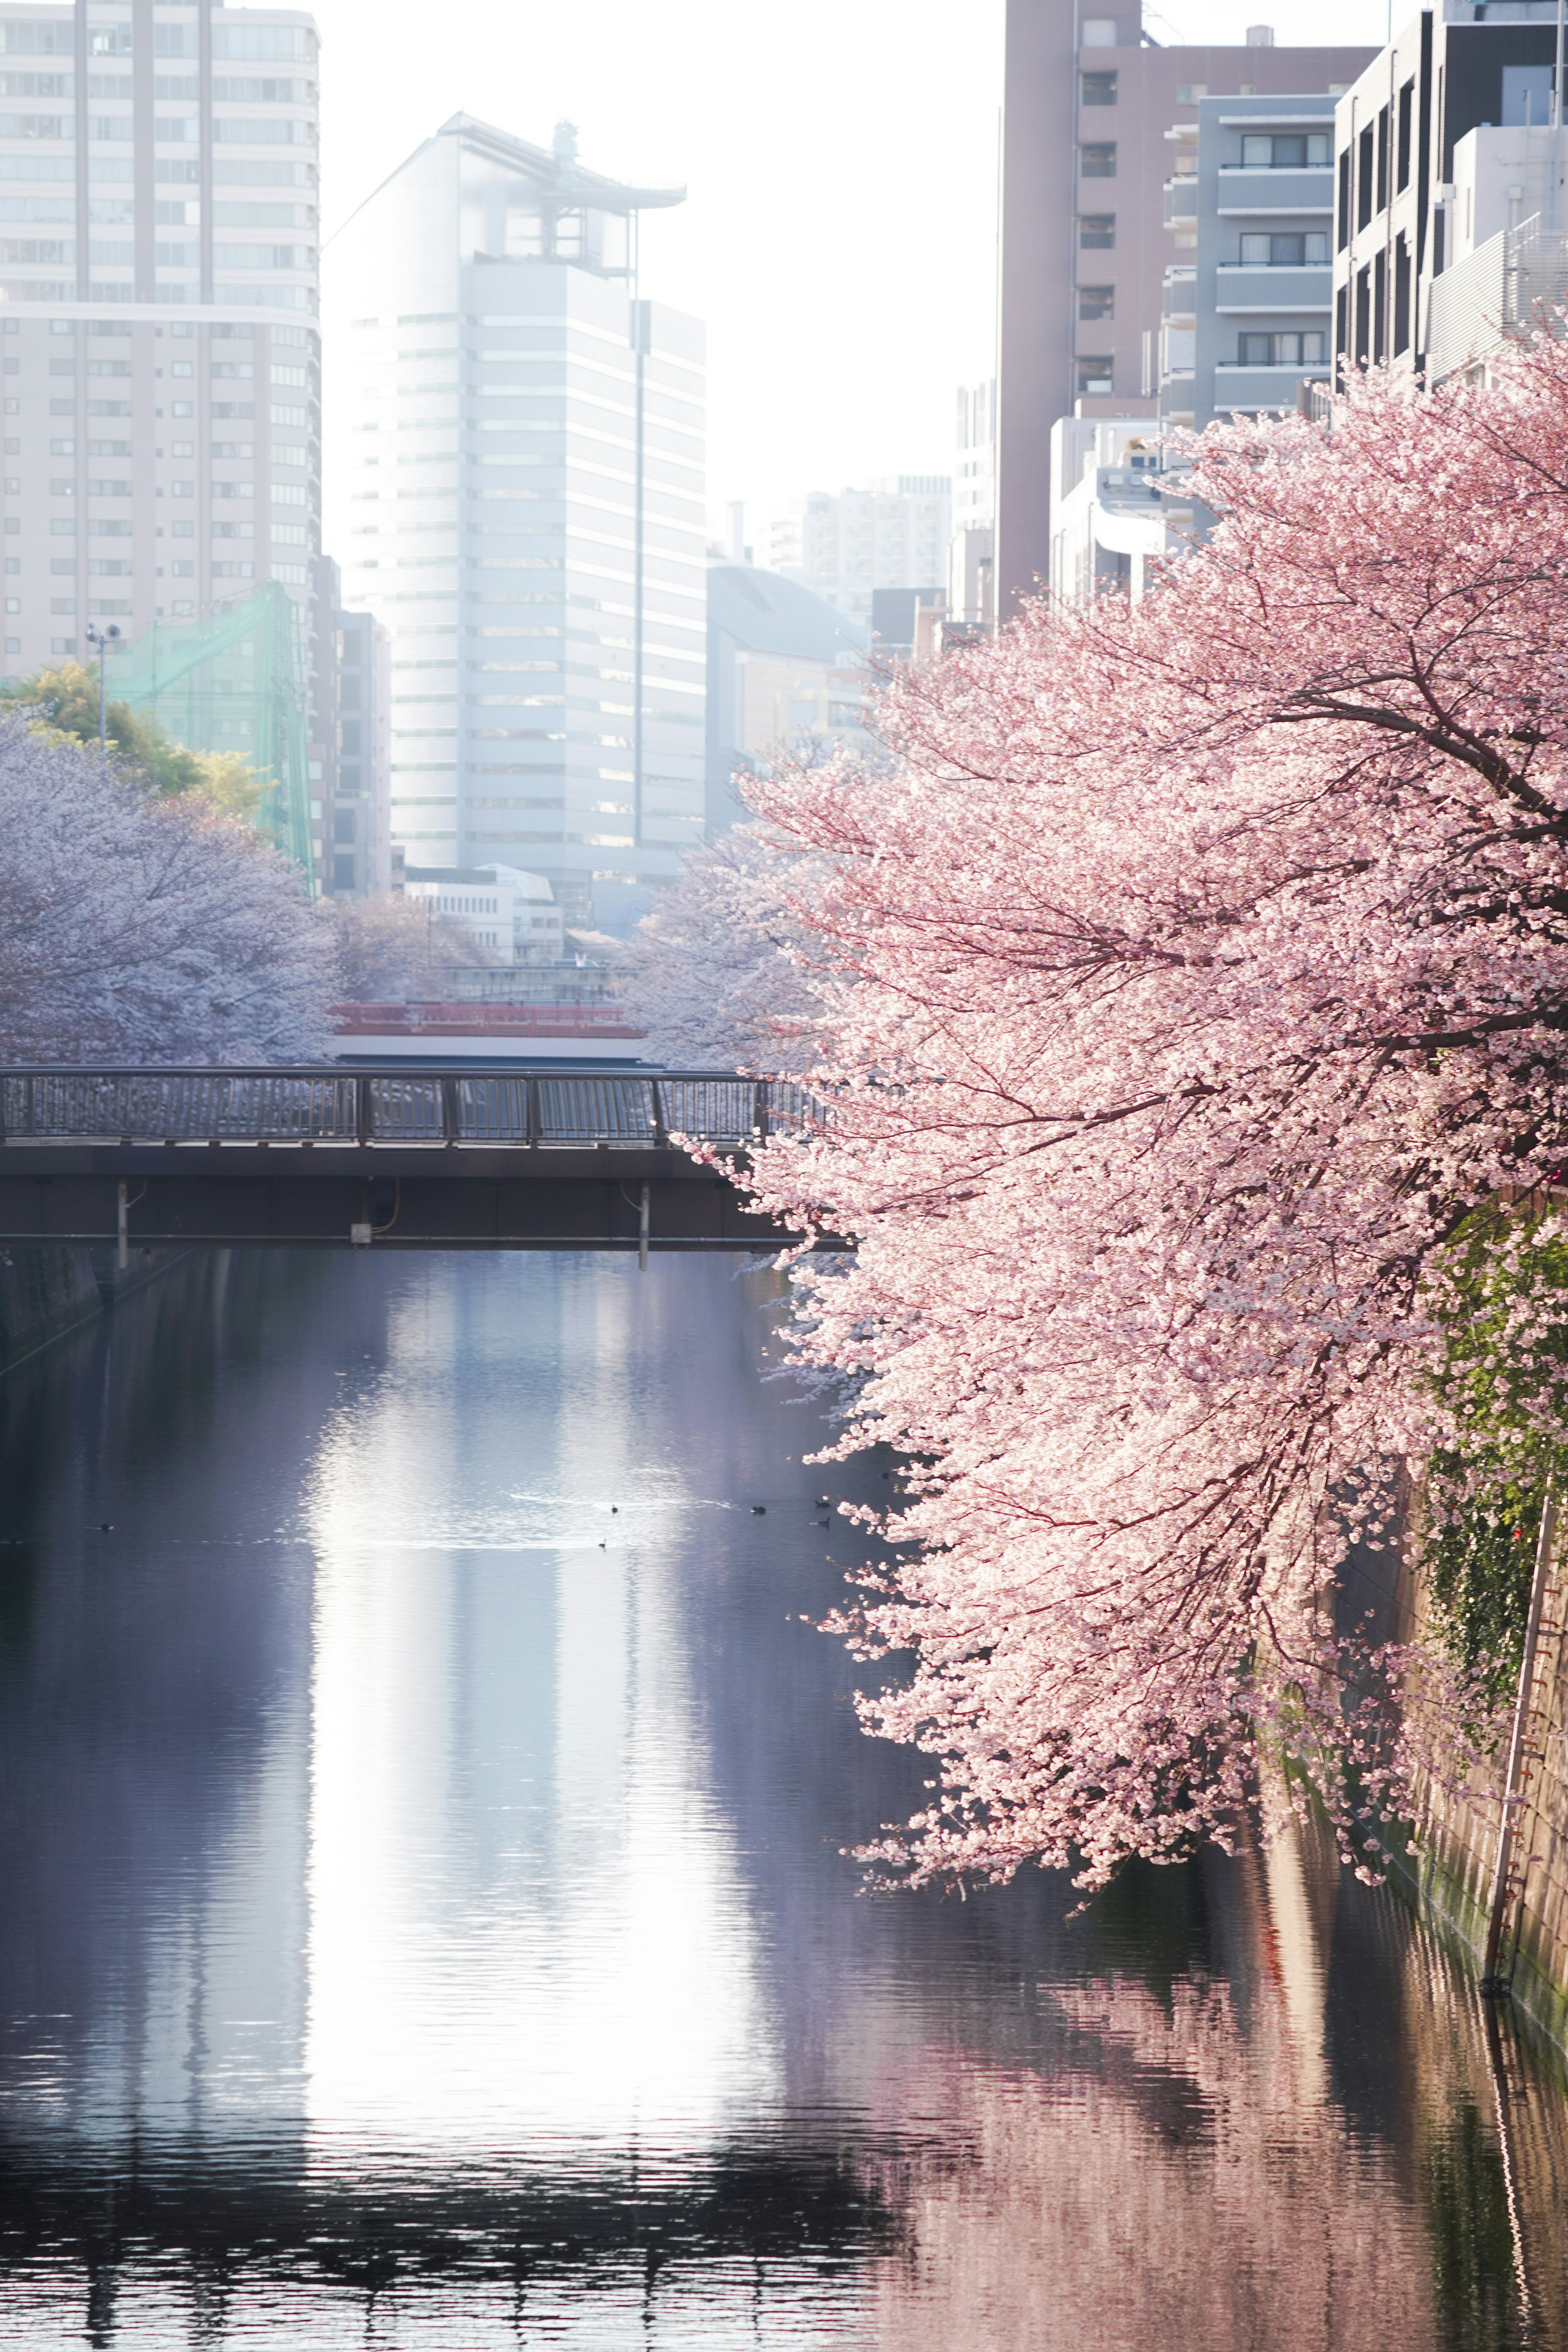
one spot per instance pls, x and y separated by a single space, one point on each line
1182 2170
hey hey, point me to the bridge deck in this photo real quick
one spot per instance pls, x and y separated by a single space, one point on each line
435 1159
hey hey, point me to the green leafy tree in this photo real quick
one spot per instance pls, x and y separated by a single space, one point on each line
63 703
1504 1383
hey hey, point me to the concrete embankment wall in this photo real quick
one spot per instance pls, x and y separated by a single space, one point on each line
47 1292
1448 1880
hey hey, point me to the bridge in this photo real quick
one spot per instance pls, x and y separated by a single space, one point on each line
412 1160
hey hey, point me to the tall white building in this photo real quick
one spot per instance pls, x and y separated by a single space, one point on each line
971 551
892 534
158 276
518 444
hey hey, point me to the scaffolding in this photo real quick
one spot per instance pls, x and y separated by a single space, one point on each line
234 682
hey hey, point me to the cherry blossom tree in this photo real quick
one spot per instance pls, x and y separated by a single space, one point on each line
724 973
1201 968
140 928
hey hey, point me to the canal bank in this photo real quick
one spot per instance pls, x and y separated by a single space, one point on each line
45 1292
1449 1881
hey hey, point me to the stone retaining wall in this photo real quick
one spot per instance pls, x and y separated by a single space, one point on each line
47 1292
1449 1879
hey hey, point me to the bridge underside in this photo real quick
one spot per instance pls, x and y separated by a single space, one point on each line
293 1196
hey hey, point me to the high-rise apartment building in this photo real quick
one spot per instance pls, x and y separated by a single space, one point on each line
517 445
1095 205
158 251
892 534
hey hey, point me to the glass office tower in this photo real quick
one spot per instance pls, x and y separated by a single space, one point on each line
516 439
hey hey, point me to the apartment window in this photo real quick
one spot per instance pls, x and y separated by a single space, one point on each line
1362 317
1097 159
1407 119
1401 295
1097 232
1381 174
1094 375
1097 302
1099 89
1344 208
1284 249
1288 350
1293 151
1365 176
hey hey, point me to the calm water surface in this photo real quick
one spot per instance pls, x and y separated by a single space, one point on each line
424 1921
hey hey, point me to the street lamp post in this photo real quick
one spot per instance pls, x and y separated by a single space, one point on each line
102 639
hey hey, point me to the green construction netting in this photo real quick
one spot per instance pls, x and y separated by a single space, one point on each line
234 682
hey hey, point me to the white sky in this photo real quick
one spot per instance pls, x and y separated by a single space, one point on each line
840 157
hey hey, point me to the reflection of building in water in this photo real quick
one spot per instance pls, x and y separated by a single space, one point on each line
524 1915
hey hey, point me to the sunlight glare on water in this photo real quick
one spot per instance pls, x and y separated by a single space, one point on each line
428 1921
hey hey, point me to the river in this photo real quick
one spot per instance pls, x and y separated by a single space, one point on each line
425 1922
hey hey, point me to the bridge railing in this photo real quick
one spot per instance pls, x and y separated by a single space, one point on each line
453 1106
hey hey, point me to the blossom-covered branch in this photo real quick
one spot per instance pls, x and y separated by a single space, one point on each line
1200 967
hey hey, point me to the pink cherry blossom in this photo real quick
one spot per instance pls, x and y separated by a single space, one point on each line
1198 967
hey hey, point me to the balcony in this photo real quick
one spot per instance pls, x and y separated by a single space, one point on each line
1274 190
1288 288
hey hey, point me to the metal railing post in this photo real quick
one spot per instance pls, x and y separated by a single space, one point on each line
365 1110
451 1112
531 1086
660 1132
760 1117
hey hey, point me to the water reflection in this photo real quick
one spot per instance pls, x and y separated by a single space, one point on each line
420 1811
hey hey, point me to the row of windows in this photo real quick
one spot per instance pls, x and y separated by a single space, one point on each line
60 250
169 131
242 90
250 172
242 370
234 43
1309 349
1365 166
1292 151
1290 348
1287 248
